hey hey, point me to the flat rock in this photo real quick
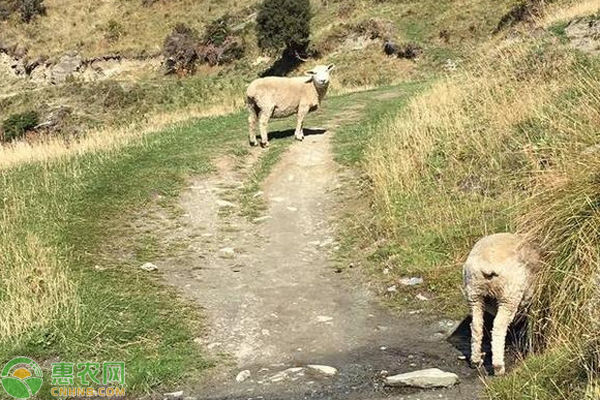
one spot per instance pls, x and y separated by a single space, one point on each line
411 281
225 204
149 267
242 376
424 379
323 369
174 394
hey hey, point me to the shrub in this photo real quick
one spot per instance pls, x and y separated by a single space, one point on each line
179 51
29 9
219 44
284 25
113 31
15 126
7 8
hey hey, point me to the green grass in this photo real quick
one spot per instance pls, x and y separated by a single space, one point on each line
86 207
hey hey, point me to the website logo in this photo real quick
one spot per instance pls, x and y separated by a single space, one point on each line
22 378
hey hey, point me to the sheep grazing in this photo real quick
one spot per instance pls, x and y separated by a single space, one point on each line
279 97
499 278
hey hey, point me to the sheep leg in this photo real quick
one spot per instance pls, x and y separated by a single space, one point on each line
505 315
252 119
476 332
265 115
299 131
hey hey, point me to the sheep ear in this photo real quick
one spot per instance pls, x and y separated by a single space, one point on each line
311 73
330 67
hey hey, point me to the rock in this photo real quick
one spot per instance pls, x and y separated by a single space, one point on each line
390 48
68 65
424 379
323 369
174 395
421 297
411 281
225 204
287 374
322 318
261 219
227 252
292 209
242 376
149 267
392 289
584 35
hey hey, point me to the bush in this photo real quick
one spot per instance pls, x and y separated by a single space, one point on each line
179 50
29 9
284 25
113 31
15 126
7 8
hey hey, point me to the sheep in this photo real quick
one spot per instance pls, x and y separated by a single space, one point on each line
499 278
278 97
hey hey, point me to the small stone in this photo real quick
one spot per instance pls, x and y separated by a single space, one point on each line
225 204
384 373
392 289
261 219
421 297
242 376
278 199
323 369
207 234
383 348
339 270
149 267
326 242
411 281
292 209
258 194
174 394
190 398
227 252
424 379
462 357
322 318
99 268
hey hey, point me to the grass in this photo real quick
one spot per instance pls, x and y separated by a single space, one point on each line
71 286
505 144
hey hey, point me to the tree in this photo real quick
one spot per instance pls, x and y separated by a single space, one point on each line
284 26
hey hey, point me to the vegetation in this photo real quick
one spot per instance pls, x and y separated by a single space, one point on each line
506 140
15 126
284 26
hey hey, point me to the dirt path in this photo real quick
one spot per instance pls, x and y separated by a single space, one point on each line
275 302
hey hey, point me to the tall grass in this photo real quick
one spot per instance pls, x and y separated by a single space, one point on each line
508 144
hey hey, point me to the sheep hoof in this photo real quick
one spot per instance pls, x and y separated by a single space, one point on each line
300 138
264 145
253 143
499 370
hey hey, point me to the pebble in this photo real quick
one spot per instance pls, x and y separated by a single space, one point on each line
149 267
242 376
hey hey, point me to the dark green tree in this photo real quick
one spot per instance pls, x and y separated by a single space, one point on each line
284 26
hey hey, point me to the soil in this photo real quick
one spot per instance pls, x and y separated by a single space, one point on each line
274 299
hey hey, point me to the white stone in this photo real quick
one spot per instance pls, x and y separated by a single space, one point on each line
323 318
228 252
323 369
149 267
421 297
242 376
225 204
174 394
411 281
424 379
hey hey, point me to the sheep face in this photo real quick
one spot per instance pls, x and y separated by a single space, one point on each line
321 74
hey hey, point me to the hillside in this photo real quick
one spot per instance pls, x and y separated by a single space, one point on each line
492 127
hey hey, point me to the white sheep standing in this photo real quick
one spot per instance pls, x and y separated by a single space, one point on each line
279 97
499 278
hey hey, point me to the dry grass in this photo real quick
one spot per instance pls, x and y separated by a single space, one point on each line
508 144
83 25
49 149
561 13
